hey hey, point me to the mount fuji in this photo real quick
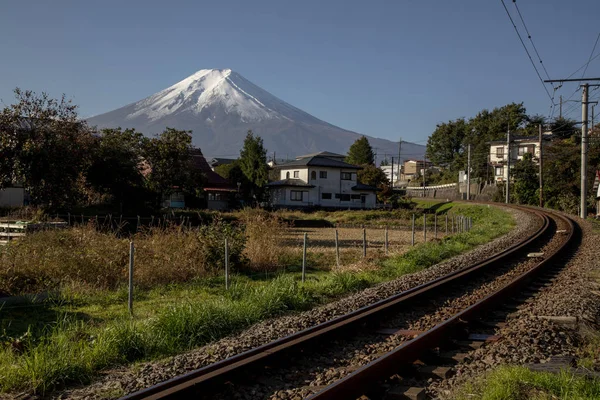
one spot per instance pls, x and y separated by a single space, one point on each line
219 106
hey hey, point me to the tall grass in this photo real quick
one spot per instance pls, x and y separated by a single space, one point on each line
84 256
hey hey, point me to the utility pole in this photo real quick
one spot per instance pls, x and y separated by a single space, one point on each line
541 164
584 137
399 153
469 172
424 161
507 201
560 108
584 155
592 128
392 174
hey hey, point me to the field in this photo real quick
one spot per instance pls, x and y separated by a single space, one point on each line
180 301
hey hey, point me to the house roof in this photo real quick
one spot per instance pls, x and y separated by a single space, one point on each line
361 186
317 161
290 182
518 138
221 161
213 180
322 154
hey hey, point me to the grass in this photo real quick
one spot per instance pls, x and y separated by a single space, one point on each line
519 383
69 339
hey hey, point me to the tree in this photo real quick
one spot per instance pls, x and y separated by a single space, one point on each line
44 147
385 162
373 176
526 180
170 164
115 168
234 174
253 162
361 153
564 128
445 145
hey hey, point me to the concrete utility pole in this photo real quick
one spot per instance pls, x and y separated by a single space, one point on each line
508 165
541 164
584 150
399 153
392 175
469 172
424 161
560 108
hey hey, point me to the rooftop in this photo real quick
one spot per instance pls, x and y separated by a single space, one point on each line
317 161
322 154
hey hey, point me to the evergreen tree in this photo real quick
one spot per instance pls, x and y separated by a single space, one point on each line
526 180
361 153
253 162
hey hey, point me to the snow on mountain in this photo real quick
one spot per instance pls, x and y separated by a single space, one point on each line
219 106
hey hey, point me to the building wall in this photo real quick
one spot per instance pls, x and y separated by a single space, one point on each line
12 197
332 185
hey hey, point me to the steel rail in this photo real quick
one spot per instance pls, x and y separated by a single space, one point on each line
176 386
355 384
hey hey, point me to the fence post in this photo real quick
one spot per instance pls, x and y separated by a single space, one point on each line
69 218
446 224
452 222
425 228
337 249
137 227
386 241
81 219
131 251
304 259
364 242
226 265
413 230
435 225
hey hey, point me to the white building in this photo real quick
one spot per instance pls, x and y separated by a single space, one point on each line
391 172
518 148
320 180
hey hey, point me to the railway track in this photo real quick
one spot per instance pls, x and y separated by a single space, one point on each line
357 353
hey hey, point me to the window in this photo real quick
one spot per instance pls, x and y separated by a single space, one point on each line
323 174
345 197
499 171
346 176
287 175
296 174
214 196
326 196
313 175
522 150
296 195
338 196
499 152
355 197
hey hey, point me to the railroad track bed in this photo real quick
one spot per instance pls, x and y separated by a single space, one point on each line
546 331
303 375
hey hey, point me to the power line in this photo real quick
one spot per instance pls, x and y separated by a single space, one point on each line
590 58
527 51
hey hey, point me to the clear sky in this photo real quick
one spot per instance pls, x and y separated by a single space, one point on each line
383 68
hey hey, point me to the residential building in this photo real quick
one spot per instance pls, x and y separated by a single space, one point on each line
215 162
320 180
391 172
413 168
520 145
328 154
596 190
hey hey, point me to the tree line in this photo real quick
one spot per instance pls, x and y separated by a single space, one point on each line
447 148
64 163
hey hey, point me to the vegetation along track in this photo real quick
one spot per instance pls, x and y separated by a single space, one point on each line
346 356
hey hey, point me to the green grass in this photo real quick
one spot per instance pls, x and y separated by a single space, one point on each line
69 339
519 383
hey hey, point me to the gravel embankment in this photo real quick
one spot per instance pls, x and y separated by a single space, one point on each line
127 380
527 338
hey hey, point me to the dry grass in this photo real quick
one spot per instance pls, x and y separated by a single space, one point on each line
263 232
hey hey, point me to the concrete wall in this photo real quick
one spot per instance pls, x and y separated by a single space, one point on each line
12 197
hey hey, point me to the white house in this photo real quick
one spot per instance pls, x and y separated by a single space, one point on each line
519 146
597 190
320 180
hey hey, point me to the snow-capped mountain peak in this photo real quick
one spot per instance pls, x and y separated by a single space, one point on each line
219 106
201 90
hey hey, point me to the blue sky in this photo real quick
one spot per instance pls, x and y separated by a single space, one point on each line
383 68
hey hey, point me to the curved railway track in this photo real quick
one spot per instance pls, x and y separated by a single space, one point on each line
208 381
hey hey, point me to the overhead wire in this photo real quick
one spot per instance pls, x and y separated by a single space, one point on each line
527 51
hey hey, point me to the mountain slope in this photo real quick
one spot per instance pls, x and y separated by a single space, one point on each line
219 106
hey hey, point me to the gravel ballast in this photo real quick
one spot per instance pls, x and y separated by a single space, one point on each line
129 379
530 339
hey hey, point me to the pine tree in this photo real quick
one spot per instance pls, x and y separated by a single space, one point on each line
361 153
253 161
